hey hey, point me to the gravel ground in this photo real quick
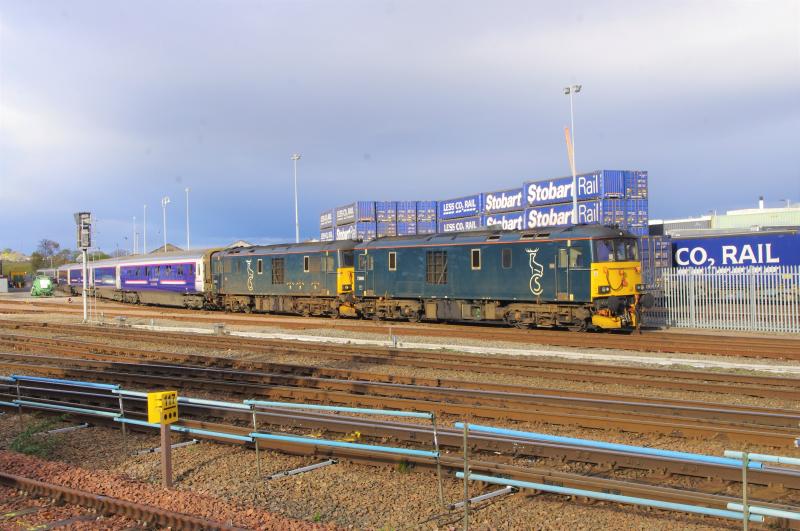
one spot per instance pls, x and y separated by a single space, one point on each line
20 511
348 495
125 486
360 496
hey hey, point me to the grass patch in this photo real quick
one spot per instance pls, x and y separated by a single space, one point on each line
404 467
28 442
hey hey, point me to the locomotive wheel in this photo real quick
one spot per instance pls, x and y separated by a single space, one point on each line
581 326
414 317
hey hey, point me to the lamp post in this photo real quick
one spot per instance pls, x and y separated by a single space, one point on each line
164 203
144 231
187 218
569 91
295 158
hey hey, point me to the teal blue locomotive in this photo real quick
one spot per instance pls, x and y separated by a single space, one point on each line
579 278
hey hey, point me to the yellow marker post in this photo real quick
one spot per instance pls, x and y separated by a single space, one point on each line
162 408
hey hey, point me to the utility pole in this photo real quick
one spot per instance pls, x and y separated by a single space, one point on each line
144 232
295 158
164 203
570 90
135 236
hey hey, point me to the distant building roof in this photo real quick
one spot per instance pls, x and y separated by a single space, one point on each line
170 248
239 243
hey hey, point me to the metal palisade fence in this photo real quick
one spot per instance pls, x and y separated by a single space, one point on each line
757 299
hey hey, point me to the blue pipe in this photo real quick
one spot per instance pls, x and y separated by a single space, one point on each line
184 429
391 412
66 409
9 404
764 458
765 511
618 498
641 450
77 383
214 403
342 444
137 394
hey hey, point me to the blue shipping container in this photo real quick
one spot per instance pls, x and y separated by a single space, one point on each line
385 228
503 201
594 185
460 207
426 211
637 212
757 249
326 235
505 220
386 211
406 228
358 211
461 224
426 227
407 212
326 219
598 212
636 184
356 231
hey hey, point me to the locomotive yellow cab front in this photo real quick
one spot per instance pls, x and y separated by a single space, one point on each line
616 283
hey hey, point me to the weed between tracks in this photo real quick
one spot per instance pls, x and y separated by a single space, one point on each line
27 441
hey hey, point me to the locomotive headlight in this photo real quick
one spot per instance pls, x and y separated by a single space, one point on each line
640 287
604 289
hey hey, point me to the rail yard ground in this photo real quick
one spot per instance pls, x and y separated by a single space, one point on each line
668 390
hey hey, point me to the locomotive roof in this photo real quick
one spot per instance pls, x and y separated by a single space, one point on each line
282 248
475 237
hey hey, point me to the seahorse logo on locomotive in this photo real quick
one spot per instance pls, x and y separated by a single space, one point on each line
537 271
249 275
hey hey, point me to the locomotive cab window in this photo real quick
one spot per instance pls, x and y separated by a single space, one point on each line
392 261
576 260
506 258
260 266
475 257
305 264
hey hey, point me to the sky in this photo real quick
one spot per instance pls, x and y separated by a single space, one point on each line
108 106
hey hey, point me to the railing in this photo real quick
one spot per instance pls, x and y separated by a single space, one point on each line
748 299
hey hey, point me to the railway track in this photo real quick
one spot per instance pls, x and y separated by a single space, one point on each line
770 427
784 388
651 341
772 480
27 503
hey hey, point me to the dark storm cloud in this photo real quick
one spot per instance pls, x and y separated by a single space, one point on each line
107 107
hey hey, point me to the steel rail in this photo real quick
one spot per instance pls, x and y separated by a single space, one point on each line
106 504
651 341
764 386
570 415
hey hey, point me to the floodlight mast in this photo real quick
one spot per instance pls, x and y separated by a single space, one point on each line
569 91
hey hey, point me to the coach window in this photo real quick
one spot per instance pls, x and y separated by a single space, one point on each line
305 264
260 266
475 255
506 258
392 261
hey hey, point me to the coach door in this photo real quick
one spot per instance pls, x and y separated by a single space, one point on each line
563 292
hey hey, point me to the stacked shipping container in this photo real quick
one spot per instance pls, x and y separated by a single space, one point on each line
607 197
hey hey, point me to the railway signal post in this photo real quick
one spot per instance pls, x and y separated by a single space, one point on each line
162 408
83 221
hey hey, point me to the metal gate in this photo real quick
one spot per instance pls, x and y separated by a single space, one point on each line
756 299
